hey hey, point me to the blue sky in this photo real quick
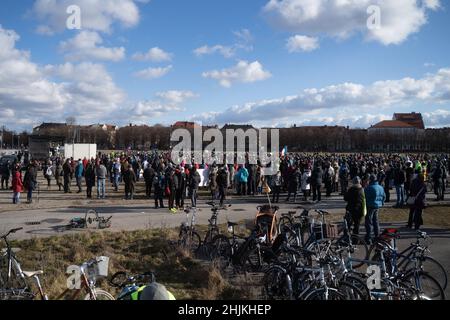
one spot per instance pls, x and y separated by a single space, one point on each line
265 62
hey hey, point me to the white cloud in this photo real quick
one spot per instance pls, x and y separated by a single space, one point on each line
153 73
98 15
243 72
50 93
429 64
153 109
175 96
244 35
431 89
22 85
300 43
437 119
167 102
154 55
225 51
243 42
84 46
89 87
343 18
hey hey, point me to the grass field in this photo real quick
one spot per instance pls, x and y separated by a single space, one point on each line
135 252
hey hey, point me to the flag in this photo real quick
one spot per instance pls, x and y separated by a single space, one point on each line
284 151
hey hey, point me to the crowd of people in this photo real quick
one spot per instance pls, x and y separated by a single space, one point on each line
365 181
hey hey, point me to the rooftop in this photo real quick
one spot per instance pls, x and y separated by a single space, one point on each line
392 124
413 119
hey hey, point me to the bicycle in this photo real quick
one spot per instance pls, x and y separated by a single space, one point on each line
89 273
206 246
243 253
414 257
304 232
129 284
90 218
13 280
188 238
412 284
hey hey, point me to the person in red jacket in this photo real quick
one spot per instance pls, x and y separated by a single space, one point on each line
17 184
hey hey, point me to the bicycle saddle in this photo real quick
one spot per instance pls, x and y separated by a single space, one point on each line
232 224
30 274
14 250
289 214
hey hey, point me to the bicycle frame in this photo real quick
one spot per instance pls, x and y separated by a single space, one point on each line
87 286
14 264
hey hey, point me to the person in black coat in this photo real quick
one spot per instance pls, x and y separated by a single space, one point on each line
149 174
355 205
438 178
294 181
316 182
129 178
194 182
418 190
222 184
170 188
179 181
67 172
90 179
30 180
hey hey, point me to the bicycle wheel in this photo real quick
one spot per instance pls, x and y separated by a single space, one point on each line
350 291
432 267
221 250
293 239
190 240
252 260
427 287
359 283
276 284
100 294
284 221
323 294
357 250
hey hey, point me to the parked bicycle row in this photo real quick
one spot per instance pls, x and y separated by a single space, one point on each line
300 255
304 257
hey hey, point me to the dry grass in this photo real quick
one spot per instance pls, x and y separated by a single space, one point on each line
434 216
135 252
438 216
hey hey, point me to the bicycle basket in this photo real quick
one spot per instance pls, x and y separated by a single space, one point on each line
99 269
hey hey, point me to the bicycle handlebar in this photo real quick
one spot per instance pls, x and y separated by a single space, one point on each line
131 279
11 231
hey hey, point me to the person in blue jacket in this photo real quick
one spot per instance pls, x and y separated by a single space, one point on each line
243 179
79 173
375 197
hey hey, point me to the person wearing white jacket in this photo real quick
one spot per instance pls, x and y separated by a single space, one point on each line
306 183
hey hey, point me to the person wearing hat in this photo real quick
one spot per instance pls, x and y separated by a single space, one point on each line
356 205
375 198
